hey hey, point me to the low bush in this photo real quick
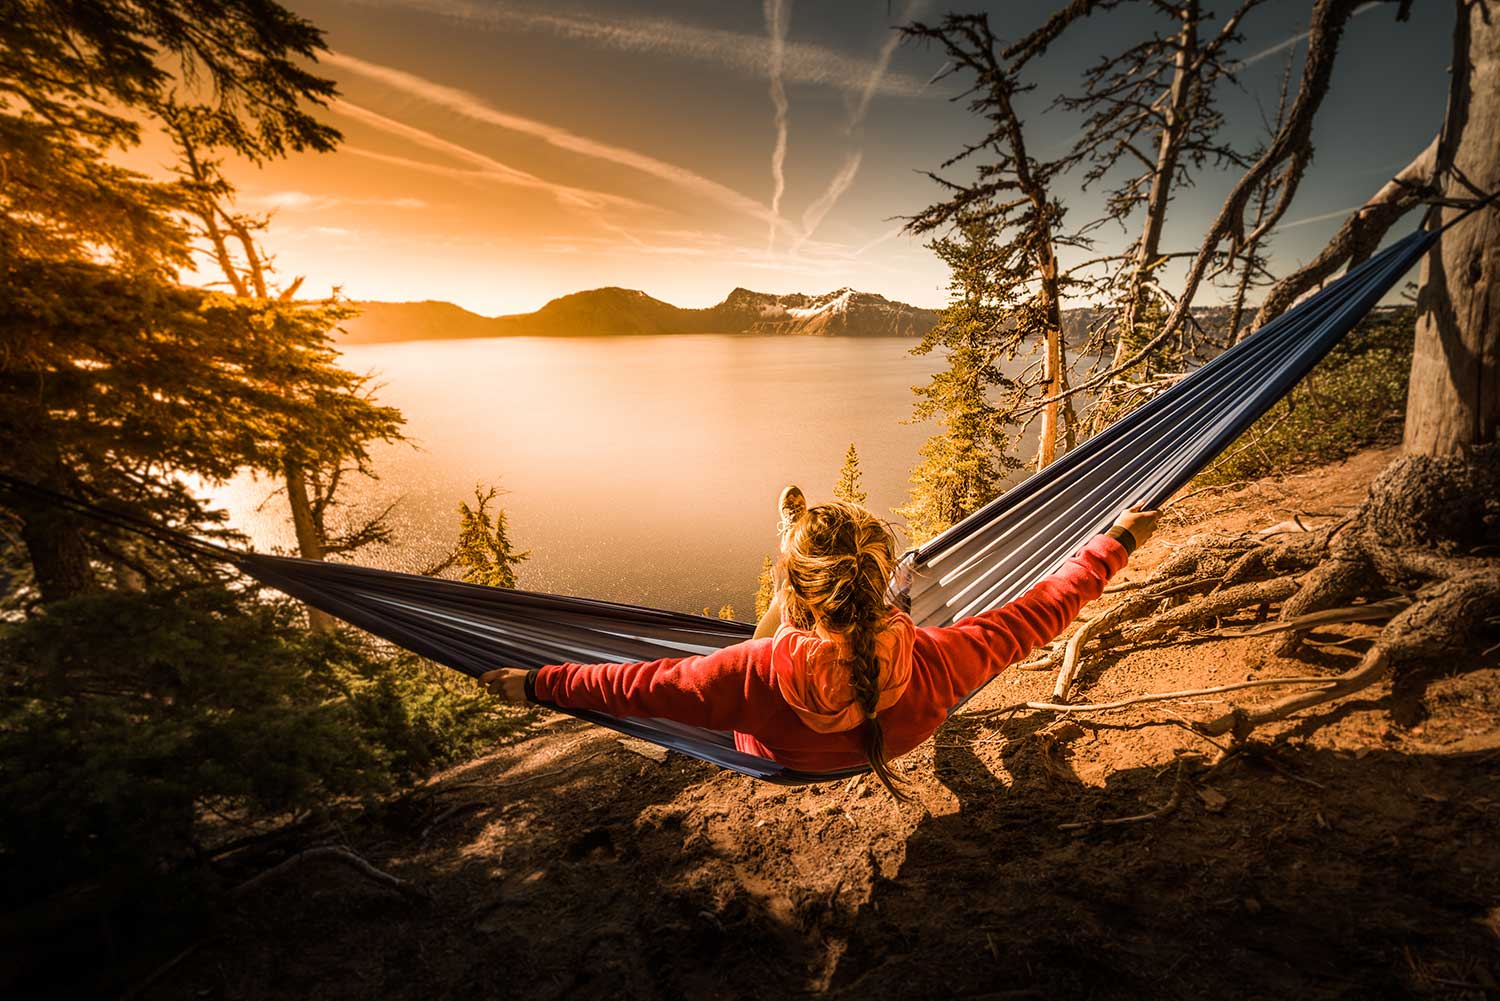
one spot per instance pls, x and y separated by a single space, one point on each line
137 729
1354 399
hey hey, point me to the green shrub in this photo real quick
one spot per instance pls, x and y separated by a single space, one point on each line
133 724
1354 399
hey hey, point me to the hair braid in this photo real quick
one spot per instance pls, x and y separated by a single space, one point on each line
866 676
838 561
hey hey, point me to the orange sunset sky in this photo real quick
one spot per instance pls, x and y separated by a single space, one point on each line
500 154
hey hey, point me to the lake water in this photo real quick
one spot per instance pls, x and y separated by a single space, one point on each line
637 469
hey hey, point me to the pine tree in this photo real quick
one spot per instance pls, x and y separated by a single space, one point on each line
964 465
114 379
765 588
1008 195
848 487
314 461
484 550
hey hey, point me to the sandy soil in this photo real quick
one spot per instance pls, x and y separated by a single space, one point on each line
1357 855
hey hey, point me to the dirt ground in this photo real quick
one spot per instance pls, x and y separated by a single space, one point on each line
1355 854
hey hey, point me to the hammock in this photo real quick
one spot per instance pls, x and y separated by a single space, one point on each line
984 561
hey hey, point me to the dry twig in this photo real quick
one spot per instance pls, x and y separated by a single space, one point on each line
343 856
1178 785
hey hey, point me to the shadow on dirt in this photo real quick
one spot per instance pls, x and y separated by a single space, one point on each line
1312 873
1331 876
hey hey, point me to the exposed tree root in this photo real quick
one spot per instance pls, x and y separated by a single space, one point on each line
1240 722
1070 654
1111 620
1418 555
1186 693
1210 608
1372 611
1439 623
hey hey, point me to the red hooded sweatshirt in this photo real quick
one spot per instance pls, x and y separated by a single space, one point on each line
736 688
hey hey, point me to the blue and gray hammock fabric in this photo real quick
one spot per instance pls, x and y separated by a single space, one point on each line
990 558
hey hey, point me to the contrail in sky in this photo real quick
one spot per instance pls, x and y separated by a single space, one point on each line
488 167
1320 217
1287 43
836 188
777 12
860 107
745 54
885 237
472 107
882 65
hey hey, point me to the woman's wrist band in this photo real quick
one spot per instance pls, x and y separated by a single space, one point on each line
530 685
1122 535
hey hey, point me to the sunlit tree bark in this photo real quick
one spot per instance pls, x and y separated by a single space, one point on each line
1454 401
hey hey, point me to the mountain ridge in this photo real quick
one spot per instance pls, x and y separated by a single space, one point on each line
613 311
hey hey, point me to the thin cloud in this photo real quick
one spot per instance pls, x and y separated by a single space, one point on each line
472 107
422 166
777 14
302 201
746 54
821 266
489 167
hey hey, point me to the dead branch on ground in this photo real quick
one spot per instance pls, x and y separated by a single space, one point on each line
343 856
1180 783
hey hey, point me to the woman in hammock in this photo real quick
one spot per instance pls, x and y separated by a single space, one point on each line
835 677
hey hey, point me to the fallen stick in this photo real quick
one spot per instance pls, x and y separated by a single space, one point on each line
343 856
160 972
1179 784
1069 669
451 811
550 773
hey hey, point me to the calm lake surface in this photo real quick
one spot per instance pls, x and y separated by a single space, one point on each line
637 469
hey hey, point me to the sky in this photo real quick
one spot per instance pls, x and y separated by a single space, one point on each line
499 154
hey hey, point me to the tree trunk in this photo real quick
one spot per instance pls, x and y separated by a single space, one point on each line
252 284
59 554
54 537
1162 175
1454 400
309 540
1047 447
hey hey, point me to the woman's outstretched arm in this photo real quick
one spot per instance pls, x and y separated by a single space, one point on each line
978 648
724 690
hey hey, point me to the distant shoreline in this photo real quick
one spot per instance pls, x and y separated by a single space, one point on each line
355 342
618 312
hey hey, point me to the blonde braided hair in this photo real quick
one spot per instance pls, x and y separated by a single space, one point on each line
836 561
